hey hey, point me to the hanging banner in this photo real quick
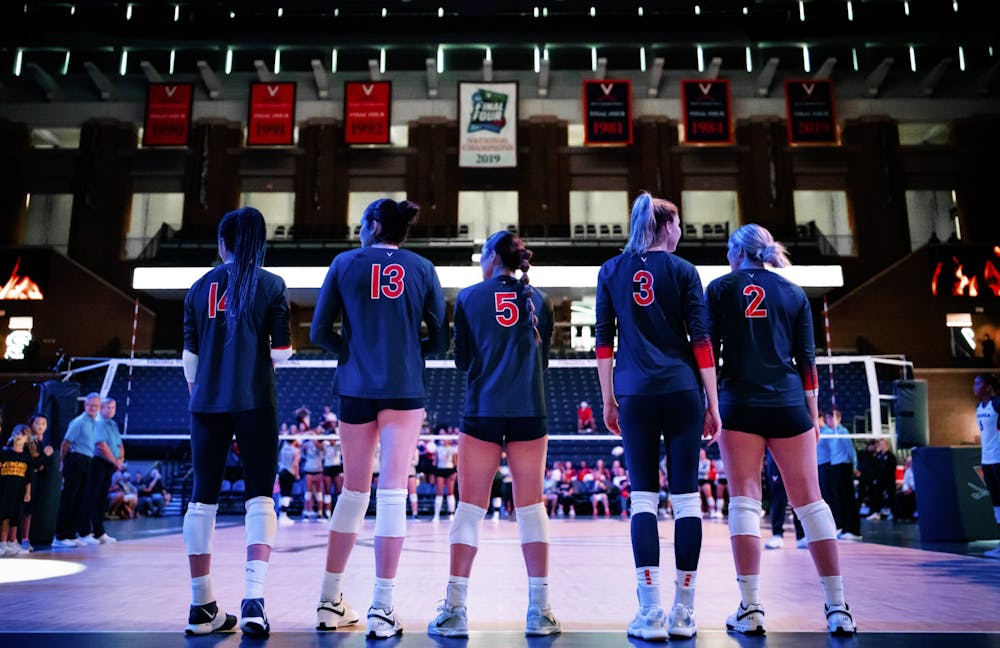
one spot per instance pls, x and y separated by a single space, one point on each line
707 114
487 124
366 112
272 114
607 112
168 114
811 118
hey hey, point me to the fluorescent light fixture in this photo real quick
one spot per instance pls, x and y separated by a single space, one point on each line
538 61
954 5
642 59
593 59
640 12
281 12
805 58
961 58
913 60
850 11
906 8
20 56
802 11
701 59
697 10
385 12
545 12
128 11
593 11
489 53
746 11
536 12
277 60
177 13
173 57
124 64
440 60
440 12
854 58
957 320
21 323
311 277
72 10
381 60
749 60
232 14
333 60
65 67
229 60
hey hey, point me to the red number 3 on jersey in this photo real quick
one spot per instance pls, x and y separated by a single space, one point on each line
643 295
756 294
393 286
215 303
507 313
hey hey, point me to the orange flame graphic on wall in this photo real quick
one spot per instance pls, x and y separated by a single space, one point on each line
18 287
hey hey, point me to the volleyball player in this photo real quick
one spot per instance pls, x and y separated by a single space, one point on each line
503 328
762 322
382 293
662 385
984 388
235 329
445 464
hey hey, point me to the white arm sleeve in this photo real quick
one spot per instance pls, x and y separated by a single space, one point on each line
190 361
282 354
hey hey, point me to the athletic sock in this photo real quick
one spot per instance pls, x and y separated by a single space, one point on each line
684 593
331 586
201 590
749 588
458 590
538 591
383 593
648 579
256 574
833 587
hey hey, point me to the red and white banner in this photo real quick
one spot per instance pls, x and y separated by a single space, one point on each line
707 113
272 114
367 112
168 114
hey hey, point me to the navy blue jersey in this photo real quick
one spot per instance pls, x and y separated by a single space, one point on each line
382 294
764 326
655 303
235 372
495 343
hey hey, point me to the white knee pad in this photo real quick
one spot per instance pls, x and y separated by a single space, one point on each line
199 528
308 496
390 512
350 511
261 522
817 521
686 505
327 499
532 523
744 516
645 502
465 524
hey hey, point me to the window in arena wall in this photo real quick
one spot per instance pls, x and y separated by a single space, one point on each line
55 138
930 212
709 214
486 212
574 134
358 200
828 211
149 212
923 134
589 210
278 208
47 219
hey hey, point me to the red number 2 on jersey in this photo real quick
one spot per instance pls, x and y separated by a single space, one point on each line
644 295
215 303
756 294
393 286
507 313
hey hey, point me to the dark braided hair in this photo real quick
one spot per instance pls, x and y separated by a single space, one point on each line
245 236
514 256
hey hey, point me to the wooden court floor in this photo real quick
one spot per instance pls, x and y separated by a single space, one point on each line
137 590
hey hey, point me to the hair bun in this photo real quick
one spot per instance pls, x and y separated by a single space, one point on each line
408 210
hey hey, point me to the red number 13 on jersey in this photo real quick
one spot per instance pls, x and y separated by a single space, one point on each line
756 294
393 285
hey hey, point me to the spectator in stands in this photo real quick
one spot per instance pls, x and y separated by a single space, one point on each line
663 378
333 469
15 487
446 468
721 487
906 499
109 456
584 418
867 478
584 473
840 476
380 382
569 470
601 467
229 357
885 482
312 466
43 458
76 453
549 495
128 504
620 481
503 329
984 387
706 484
288 474
153 497
564 488
411 483
762 321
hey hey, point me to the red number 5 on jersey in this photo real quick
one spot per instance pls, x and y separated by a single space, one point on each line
507 312
756 294
644 294
393 285
215 303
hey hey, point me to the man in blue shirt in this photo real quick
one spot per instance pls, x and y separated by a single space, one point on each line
109 456
843 458
76 453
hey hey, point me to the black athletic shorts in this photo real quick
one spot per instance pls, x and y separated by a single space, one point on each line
445 472
332 471
768 422
500 430
359 411
991 475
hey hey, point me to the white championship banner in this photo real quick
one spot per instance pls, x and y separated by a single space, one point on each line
487 126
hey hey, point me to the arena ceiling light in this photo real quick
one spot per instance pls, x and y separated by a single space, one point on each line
585 277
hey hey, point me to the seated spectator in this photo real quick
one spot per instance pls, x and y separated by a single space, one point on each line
565 491
584 418
906 499
550 497
600 467
125 506
584 473
153 499
599 494
621 483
